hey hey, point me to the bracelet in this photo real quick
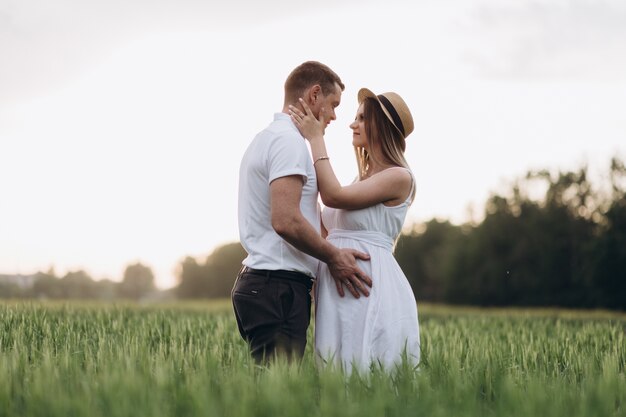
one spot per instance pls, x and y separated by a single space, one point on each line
321 158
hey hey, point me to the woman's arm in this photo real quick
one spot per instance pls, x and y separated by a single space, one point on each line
391 185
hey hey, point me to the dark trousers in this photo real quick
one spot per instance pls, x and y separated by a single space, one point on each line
273 311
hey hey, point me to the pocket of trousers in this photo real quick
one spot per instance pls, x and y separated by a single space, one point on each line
250 285
254 305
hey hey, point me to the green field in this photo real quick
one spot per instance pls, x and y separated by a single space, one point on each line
79 359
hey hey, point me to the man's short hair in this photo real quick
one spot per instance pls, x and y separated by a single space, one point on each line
308 74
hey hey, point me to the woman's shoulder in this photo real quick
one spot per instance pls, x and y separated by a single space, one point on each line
397 173
400 179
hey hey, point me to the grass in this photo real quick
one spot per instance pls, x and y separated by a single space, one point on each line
187 359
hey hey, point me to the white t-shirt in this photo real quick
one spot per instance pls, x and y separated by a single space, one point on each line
278 151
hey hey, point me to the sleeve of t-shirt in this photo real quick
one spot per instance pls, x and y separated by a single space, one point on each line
288 155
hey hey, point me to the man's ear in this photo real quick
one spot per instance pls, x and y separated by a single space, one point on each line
315 93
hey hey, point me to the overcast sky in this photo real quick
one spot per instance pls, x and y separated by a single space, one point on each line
122 123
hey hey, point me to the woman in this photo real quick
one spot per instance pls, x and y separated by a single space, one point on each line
366 215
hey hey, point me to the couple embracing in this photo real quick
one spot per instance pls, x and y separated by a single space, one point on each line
365 311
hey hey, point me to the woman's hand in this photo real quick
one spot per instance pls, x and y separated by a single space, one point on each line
309 126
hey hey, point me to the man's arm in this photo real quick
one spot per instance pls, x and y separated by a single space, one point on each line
290 224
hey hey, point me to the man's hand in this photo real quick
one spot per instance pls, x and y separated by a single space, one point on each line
345 271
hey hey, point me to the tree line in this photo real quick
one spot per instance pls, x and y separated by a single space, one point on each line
567 248
551 239
137 283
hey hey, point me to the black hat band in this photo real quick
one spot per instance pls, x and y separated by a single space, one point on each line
392 111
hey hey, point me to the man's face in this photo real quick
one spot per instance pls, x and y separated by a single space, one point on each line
328 103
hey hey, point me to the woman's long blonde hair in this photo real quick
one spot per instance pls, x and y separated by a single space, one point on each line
392 143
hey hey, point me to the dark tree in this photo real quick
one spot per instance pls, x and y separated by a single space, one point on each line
137 283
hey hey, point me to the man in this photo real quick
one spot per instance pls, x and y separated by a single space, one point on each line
279 226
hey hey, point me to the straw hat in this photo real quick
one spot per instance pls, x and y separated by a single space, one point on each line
394 108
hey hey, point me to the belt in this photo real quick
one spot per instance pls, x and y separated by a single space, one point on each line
281 274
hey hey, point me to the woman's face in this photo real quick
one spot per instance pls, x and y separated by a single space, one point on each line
359 137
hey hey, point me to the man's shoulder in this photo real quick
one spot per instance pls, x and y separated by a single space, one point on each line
282 127
281 134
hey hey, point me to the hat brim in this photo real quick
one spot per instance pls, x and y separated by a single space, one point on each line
365 93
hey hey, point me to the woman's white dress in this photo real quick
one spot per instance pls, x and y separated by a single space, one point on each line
383 327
